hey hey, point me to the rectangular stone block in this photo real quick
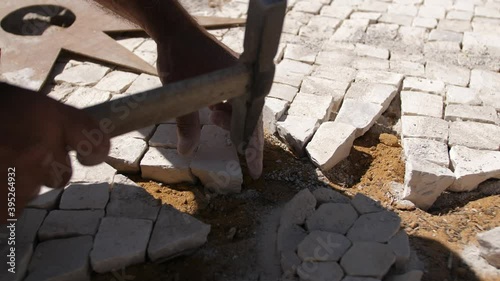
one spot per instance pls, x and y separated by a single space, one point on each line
337 73
133 202
433 12
423 85
478 113
425 181
165 136
381 94
311 106
48 198
407 68
294 20
371 51
485 25
291 72
116 81
283 92
28 224
383 77
459 15
272 112
370 63
487 43
85 74
429 150
373 6
443 35
327 149
302 53
460 95
175 234
359 114
91 174
381 32
335 58
484 79
372 16
85 196
351 31
319 27
216 161
450 74
425 127
324 87
133 236
339 12
425 22
69 223
455 25
475 135
125 154
421 104
61 260
143 83
396 19
441 47
296 131
401 9
85 97
487 12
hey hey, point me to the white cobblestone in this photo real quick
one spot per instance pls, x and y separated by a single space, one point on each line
68 223
485 25
407 68
381 32
291 72
91 174
319 27
400 9
371 51
165 136
125 153
86 74
423 85
340 74
464 5
301 53
351 30
431 12
339 12
175 233
439 3
487 12
484 114
85 196
373 17
132 201
85 97
370 63
335 58
327 149
166 165
216 161
441 47
461 95
459 15
396 19
425 181
283 92
425 22
411 36
429 150
482 43
296 131
455 75
70 255
455 25
116 81
324 87
130 43
381 94
362 115
425 127
143 83
475 135
272 112
307 7
383 77
133 236
490 97
421 104
442 35
472 167
373 6
484 79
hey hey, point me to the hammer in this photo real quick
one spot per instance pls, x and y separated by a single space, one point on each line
246 84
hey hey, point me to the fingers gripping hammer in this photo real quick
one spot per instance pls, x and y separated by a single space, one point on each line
246 84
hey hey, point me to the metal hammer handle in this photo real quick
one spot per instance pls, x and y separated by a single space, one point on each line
147 108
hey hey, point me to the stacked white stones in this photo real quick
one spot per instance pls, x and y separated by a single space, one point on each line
324 235
100 222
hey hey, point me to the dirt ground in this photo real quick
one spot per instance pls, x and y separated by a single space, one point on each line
375 160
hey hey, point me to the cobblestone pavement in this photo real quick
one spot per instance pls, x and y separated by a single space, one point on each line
340 65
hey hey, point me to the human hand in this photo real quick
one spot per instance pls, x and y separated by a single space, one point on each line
37 134
192 54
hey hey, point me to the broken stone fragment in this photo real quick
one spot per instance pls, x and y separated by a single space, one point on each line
489 242
175 233
298 209
166 165
296 131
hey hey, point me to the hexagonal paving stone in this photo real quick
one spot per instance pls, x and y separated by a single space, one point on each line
368 259
323 246
376 227
332 217
320 271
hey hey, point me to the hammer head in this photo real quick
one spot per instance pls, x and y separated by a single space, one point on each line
262 35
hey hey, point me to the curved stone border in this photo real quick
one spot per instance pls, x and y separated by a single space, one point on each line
324 235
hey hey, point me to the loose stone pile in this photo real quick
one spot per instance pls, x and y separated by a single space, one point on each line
91 225
324 235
